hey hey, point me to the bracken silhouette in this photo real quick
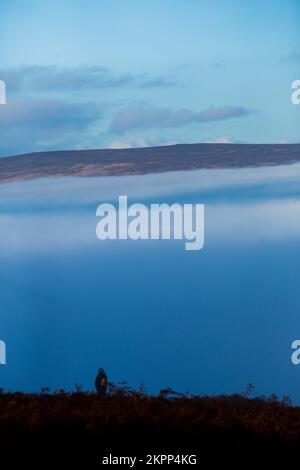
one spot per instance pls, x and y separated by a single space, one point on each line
83 425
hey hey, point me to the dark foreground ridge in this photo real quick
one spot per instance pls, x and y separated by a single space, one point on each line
86 427
139 161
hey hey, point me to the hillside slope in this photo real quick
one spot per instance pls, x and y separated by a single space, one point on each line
109 162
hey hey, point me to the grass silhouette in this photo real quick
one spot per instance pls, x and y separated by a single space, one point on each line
83 425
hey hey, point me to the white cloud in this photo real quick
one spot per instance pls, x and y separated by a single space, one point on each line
140 143
145 117
223 139
59 213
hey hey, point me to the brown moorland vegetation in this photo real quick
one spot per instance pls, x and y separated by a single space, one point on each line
138 161
73 426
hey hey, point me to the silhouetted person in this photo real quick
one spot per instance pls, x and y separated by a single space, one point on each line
101 382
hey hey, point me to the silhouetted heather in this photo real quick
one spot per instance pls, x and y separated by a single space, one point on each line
85 425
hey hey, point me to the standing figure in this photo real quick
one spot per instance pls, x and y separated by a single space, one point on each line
101 382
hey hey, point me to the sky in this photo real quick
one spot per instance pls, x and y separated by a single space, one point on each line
112 74
149 311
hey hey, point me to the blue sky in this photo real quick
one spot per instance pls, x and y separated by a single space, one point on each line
110 73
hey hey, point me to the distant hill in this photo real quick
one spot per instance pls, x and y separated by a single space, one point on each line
109 162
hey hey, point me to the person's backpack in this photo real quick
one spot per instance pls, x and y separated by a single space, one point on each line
103 382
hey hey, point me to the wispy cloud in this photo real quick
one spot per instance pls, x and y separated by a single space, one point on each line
50 113
222 139
144 117
48 109
26 123
271 215
158 82
61 79
140 143
282 180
